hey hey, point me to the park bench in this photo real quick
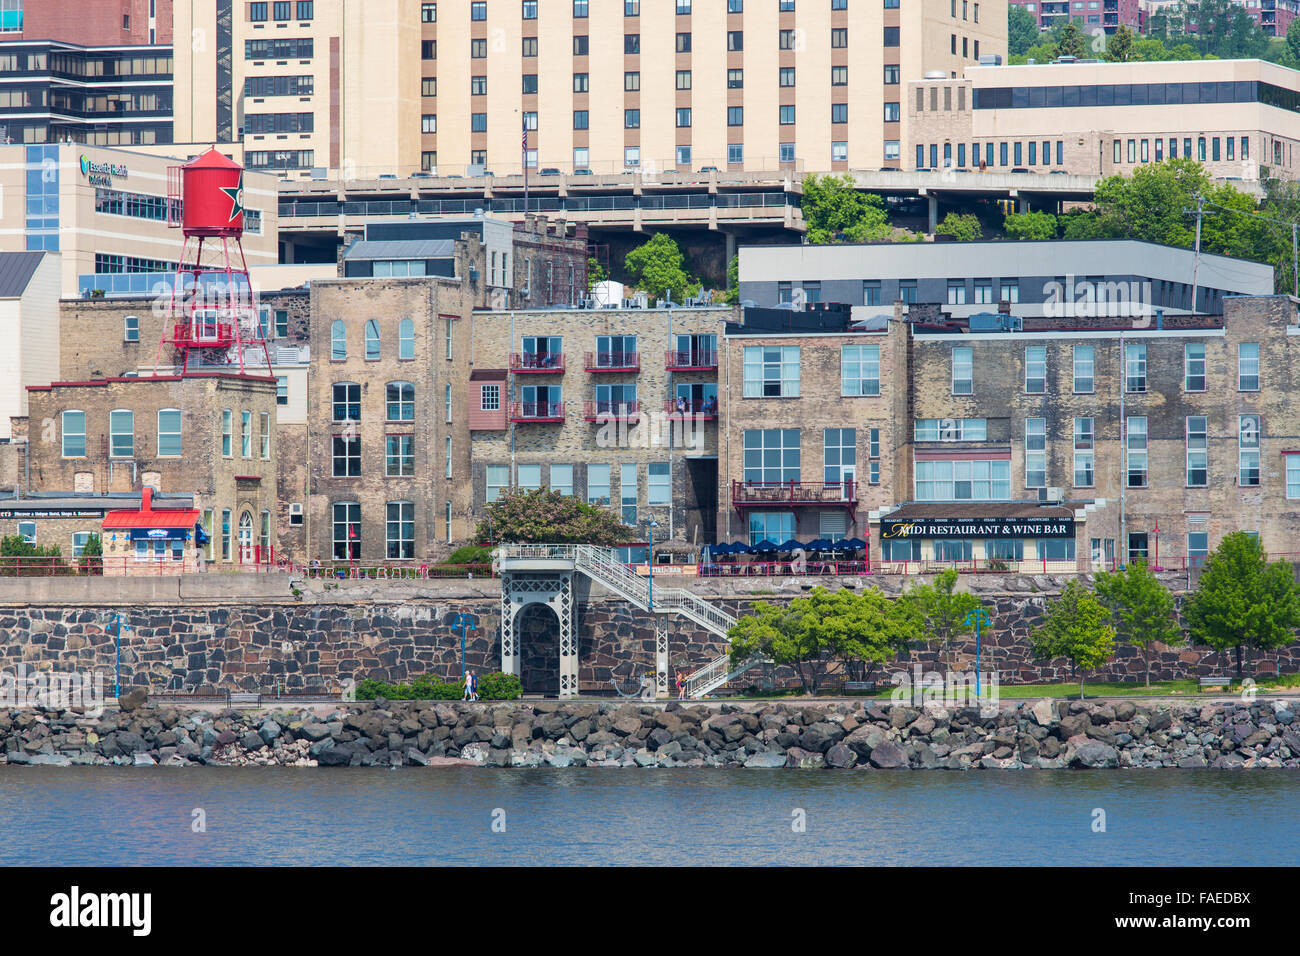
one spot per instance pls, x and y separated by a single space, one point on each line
859 686
245 700
1215 682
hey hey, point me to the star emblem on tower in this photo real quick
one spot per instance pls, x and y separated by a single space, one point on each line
236 194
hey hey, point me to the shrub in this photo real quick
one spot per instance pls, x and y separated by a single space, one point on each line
495 686
470 554
47 559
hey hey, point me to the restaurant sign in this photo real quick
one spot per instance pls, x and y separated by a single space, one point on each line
903 529
32 514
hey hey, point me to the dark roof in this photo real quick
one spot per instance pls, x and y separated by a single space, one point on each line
978 509
16 270
488 375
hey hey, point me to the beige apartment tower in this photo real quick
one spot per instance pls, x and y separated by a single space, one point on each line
391 87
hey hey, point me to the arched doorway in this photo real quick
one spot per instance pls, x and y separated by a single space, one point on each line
246 538
537 630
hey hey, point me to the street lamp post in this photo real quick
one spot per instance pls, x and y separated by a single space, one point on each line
977 617
117 652
1156 532
650 565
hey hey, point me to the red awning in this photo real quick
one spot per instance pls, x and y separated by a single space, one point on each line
167 518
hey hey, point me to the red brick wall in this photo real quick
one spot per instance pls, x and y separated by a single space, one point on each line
95 24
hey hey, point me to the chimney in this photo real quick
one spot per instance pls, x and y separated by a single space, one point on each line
146 498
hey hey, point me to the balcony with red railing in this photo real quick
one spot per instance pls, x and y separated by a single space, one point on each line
595 411
543 412
681 409
697 361
537 363
794 494
212 335
612 362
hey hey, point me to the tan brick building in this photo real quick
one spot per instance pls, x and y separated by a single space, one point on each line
814 423
616 406
209 435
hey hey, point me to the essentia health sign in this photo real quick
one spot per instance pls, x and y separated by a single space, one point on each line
898 529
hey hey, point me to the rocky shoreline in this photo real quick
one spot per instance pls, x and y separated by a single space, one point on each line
1042 734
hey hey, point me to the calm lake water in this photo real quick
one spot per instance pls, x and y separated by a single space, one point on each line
288 816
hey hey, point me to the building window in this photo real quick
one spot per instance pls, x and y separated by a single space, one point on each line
490 398
347 402
1198 464
428 12
771 372
347 456
347 531
736 79
1035 453
1035 369
962 371
169 432
983 291
860 367
1248 432
372 340
1136 441
338 341
1292 475
562 478
399 530
1194 367
121 433
1135 368
282 390
225 534
401 402
497 479
263 435
245 434
399 456
227 432
598 485
1248 367
840 455
659 486
774 526
74 434
978 480
735 116
1083 452
772 455
1083 368
131 330
627 493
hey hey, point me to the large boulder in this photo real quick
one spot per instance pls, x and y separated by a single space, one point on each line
865 739
840 757
1094 754
887 755
1043 712
766 761
133 699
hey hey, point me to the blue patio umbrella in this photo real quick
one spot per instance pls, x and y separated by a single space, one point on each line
854 544
791 545
819 544
765 547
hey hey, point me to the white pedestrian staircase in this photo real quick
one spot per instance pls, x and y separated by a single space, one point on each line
600 565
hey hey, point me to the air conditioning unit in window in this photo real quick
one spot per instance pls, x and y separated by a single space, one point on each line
1051 496
295 513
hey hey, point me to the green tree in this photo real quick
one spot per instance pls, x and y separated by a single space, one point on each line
812 632
1291 46
658 267
1143 609
963 227
943 610
16 555
596 273
1077 627
1022 30
92 556
1152 204
544 516
1119 47
1071 41
1030 225
733 281
835 210
1243 600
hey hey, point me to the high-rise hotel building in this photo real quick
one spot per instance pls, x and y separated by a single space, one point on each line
365 88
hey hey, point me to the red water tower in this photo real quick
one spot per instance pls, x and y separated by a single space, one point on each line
214 313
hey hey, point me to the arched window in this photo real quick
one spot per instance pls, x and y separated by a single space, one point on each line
347 402
338 341
372 339
401 402
406 339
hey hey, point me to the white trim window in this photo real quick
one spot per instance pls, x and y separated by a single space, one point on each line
771 371
860 370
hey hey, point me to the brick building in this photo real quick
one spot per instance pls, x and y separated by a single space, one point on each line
814 422
618 407
208 435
